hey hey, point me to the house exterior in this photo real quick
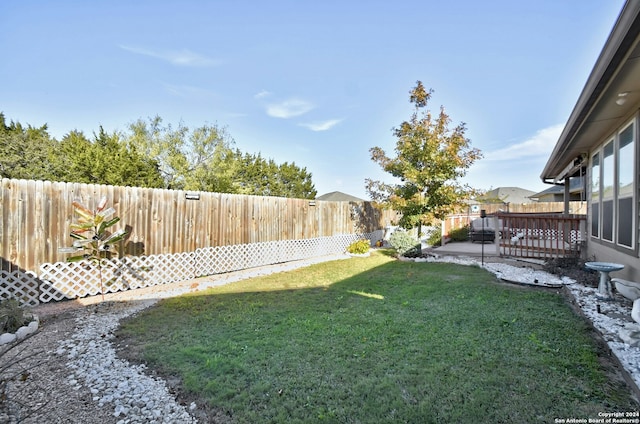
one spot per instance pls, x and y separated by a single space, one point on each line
338 196
556 192
600 143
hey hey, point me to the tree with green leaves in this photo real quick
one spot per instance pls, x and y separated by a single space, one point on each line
430 158
199 159
295 181
26 152
107 159
149 155
116 161
259 176
203 159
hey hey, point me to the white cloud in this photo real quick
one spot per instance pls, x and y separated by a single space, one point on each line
322 126
539 145
262 94
179 58
289 108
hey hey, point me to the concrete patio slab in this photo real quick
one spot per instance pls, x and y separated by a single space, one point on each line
466 248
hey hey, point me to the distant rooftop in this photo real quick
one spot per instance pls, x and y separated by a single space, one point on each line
508 195
338 196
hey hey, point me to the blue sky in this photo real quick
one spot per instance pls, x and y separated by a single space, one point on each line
316 83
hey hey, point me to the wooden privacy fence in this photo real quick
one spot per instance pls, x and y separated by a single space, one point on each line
36 216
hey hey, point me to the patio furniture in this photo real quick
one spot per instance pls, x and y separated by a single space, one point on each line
482 230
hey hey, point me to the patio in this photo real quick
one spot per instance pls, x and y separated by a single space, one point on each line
526 235
466 248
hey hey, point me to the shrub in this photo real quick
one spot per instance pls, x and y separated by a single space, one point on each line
404 243
12 316
359 247
459 234
435 237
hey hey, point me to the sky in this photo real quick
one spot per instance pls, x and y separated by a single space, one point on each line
317 83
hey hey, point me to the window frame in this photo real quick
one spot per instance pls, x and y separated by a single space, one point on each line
604 197
595 186
632 196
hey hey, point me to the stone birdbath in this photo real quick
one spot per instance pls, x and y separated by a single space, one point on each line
604 287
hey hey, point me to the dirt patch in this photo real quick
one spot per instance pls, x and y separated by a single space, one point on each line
573 268
38 382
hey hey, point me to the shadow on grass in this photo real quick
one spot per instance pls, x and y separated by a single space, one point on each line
391 253
374 340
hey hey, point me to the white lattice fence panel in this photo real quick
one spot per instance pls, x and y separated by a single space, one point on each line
206 261
169 268
145 271
224 259
139 271
68 280
294 250
20 285
64 280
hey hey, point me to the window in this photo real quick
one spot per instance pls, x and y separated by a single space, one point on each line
607 192
595 196
624 179
613 201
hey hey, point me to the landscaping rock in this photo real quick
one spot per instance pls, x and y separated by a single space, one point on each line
21 333
7 338
635 311
630 335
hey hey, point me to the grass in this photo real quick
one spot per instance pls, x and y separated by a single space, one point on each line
373 340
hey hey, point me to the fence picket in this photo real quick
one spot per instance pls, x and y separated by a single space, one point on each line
36 216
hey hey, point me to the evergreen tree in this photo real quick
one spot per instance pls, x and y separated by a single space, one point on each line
150 155
262 177
25 152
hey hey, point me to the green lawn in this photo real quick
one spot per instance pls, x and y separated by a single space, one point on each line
374 340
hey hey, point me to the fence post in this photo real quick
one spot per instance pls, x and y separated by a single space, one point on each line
498 230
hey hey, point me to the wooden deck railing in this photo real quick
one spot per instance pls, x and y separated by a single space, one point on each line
541 235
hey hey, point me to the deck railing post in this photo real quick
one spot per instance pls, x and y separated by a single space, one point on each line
539 235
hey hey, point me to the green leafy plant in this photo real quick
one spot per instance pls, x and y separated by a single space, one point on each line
12 316
435 237
404 243
359 247
92 240
459 234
